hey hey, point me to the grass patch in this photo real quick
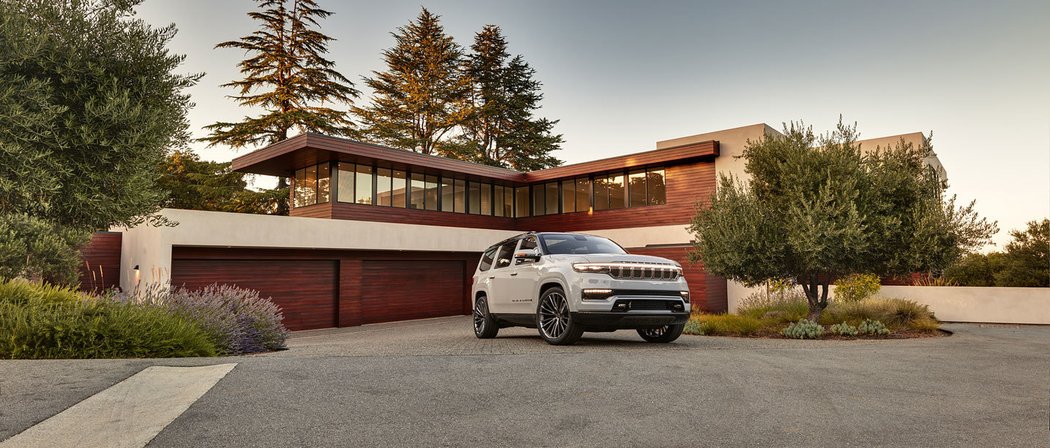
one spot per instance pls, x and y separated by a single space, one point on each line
896 314
43 321
724 325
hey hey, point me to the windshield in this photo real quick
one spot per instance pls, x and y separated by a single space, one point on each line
568 243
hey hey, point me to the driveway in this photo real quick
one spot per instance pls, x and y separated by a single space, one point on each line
431 383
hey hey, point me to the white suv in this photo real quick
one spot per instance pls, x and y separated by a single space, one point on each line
567 283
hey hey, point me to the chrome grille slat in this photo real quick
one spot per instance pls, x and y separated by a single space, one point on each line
641 270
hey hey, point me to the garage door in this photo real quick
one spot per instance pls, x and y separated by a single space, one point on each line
304 290
399 290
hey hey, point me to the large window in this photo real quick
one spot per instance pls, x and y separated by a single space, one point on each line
539 203
311 185
552 197
636 189
384 196
460 196
398 189
345 188
617 192
475 197
417 198
568 196
583 194
498 201
363 186
656 187
447 194
521 202
601 193
486 199
508 202
431 192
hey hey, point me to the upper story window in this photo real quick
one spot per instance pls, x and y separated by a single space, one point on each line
311 185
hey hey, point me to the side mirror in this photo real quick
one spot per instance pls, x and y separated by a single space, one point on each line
527 256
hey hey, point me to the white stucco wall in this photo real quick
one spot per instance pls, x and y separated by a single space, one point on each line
978 304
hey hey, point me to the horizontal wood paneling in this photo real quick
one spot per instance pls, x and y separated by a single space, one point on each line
358 212
400 290
686 186
100 262
305 290
707 292
312 211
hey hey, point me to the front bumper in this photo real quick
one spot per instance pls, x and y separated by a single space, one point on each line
610 321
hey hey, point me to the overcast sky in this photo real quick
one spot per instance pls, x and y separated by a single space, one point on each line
622 75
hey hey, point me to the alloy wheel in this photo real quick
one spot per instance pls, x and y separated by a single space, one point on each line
554 315
654 332
480 310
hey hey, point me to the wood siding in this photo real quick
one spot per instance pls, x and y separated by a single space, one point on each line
305 290
690 153
100 262
707 292
328 288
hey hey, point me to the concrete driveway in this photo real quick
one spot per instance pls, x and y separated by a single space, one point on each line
431 383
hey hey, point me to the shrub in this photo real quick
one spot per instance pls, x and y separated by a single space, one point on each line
729 325
895 313
237 320
856 287
804 329
873 328
692 326
43 321
38 250
785 306
843 329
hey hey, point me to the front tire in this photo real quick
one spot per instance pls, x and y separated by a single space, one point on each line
554 320
485 326
664 334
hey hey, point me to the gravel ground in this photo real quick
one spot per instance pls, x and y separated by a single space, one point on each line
431 383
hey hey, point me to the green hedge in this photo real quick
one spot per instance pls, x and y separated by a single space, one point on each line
44 321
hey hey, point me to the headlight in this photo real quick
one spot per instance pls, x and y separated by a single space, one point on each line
685 295
593 268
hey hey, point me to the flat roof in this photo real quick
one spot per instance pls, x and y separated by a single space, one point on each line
281 158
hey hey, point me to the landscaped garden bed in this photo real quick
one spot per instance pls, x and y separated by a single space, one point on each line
779 315
39 321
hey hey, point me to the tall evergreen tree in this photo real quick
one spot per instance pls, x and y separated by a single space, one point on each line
287 76
502 130
422 96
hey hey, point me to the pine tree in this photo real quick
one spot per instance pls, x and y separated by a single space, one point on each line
287 75
422 96
502 130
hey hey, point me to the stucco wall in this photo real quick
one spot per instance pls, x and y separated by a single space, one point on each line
977 304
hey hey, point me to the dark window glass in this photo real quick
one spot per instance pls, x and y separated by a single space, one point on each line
345 189
568 196
583 194
521 202
383 193
539 203
324 174
552 198
363 185
475 197
487 258
486 199
568 243
460 196
617 192
656 186
601 193
447 195
498 199
399 189
505 254
431 193
508 201
636 189
416 197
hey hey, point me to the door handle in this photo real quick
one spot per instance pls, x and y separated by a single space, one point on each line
493 277
513 274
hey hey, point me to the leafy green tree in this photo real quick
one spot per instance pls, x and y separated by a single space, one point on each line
89 106
502 129
422 96
197 184
975 269
817 208
288 77
1026 261
39 250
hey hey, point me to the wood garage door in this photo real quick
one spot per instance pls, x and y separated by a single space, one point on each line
398 290
305 290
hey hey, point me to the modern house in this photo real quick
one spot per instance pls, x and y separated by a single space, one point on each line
373 229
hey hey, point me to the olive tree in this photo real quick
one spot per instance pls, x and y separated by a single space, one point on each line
816 208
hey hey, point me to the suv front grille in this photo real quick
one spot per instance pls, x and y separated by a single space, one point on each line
637 271
648 305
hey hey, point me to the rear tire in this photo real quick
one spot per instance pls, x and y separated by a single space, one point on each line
485 326
553 319
664 334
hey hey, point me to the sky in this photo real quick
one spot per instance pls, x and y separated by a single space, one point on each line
621 75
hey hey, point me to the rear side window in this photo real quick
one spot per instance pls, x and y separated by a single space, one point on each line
506 254
486 258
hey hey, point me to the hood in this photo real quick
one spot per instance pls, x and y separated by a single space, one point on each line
612 258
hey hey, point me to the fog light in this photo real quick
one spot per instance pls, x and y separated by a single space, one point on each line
621 306
596 294
685 295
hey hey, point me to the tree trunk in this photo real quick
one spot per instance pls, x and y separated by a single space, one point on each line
816 295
